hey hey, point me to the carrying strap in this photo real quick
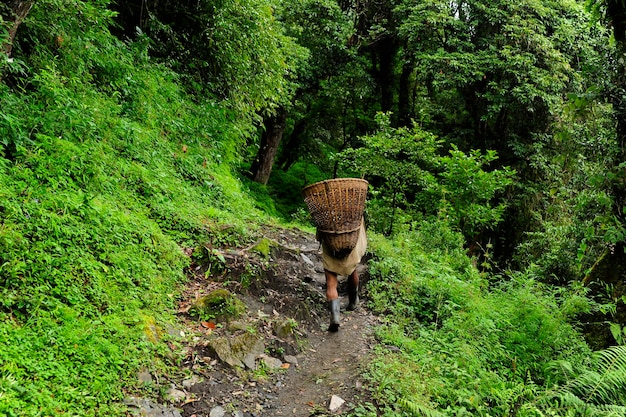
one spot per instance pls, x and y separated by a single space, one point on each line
333 232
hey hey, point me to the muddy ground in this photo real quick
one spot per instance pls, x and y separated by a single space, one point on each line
301 368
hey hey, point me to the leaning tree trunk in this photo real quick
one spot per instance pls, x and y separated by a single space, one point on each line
270 140
14 15
291 149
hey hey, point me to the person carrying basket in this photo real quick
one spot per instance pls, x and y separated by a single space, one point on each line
337 208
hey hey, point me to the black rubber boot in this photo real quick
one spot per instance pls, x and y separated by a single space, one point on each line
333 307
353 297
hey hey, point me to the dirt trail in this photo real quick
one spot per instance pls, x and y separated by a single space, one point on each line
290 286
330 366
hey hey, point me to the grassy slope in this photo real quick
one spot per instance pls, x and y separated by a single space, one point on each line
114 170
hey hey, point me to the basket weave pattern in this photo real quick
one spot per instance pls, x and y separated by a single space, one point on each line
336 207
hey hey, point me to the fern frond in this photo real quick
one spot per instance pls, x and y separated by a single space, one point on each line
418 410
606 384
612 410
567 404
595 392
611 358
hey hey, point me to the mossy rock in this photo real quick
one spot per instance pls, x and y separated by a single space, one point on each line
284 328
263 247
219 305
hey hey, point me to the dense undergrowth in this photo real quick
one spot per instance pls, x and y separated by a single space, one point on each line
457 342
110 169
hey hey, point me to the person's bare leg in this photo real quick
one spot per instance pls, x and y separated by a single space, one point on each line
332 297
331 285
353 290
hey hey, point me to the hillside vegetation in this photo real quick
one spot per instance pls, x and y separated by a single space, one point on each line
127 144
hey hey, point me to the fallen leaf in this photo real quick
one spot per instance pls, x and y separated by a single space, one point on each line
208 325
311 404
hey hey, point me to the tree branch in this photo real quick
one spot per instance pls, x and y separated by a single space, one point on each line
18 11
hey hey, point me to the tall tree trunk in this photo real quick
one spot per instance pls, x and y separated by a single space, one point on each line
405 113
270 140
385 52
291 149
18 10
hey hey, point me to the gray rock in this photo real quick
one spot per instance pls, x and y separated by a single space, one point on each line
146 408
335 403
188 383
291 359
307 259
144 377
250 361
217 412
175 332
270 362
175 395
237 325
239 351
283 328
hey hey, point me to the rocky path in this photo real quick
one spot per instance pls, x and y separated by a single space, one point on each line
329 369
281 370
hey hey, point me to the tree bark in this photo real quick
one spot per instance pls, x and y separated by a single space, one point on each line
18 11
405 112
385 51
270 140
291 149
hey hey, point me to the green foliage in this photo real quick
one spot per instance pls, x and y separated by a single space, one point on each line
282 197
597 391
235 50
572 212
322 28
460 345
505 64
411 177
467 190
603 383
399 163
109 168
336 94
110 164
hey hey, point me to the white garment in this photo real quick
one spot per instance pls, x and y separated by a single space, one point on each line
347 265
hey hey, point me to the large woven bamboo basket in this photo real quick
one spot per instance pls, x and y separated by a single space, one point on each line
337 208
